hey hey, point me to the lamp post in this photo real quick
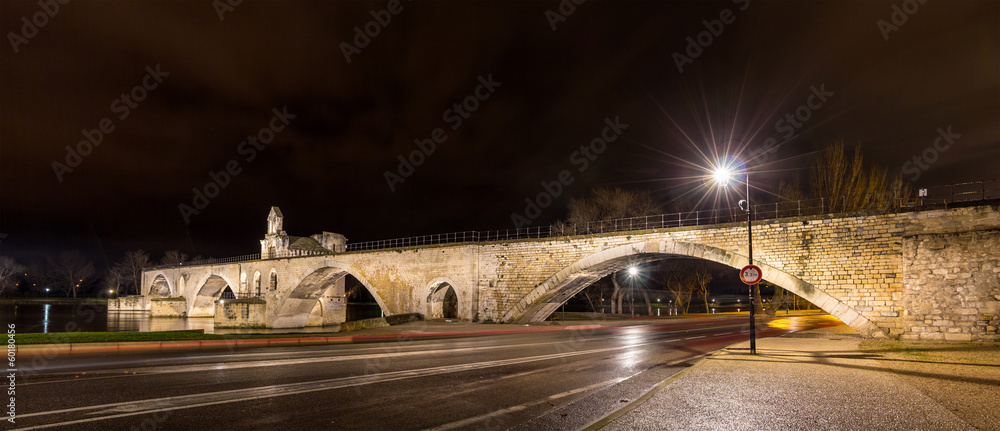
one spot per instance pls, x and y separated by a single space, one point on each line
632 271
722 177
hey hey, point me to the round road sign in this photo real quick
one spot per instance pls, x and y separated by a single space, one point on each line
750 274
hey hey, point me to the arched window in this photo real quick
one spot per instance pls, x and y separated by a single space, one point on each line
274 280
256 282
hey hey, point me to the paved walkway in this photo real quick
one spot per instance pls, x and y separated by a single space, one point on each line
811 380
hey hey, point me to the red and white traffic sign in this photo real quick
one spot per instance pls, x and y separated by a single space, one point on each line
750 274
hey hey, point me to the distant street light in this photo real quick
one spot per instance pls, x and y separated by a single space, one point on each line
632 271
722 177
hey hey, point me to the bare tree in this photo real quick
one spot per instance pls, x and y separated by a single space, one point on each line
616 295
682 287
173 257
847 186
116 278
619 295
594 294
70 270
9 271
131 266
779 299
679 285
606 204
700 279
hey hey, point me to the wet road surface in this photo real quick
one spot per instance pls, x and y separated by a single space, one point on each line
542 380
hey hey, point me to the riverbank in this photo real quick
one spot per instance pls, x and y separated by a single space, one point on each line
53 300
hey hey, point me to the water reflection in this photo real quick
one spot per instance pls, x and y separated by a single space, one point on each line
45 320
95 317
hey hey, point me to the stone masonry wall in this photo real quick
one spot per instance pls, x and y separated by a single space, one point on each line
952 278
168 308
867 269
856 260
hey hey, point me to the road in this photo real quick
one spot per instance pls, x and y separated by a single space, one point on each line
542 380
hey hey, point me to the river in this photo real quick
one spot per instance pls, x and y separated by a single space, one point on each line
61 316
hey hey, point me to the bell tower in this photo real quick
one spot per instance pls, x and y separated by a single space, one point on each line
275 222
276 240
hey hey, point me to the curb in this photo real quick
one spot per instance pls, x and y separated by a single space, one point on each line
51 350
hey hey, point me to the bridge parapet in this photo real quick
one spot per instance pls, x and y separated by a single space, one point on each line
929 272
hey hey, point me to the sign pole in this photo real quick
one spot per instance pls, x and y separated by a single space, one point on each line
753 306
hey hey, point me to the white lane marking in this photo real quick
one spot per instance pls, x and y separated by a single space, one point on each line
170 369
692 338
723 334
469 421
155 405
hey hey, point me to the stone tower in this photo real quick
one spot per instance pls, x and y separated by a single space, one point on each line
278 243
275 242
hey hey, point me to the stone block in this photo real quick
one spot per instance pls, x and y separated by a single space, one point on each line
958 337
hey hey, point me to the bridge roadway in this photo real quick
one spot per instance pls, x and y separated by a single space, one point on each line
531 380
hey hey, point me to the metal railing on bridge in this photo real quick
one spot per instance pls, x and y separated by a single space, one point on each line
963 192
241 258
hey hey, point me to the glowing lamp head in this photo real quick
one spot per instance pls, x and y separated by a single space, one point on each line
632 270
722 176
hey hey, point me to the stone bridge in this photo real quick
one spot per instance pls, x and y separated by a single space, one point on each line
932 273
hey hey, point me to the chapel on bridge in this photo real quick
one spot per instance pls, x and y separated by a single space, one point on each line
278 243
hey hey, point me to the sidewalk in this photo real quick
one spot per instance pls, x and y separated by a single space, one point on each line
821 380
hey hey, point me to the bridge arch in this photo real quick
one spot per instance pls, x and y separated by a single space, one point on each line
557 289
209 290
294 309
443 300
160 287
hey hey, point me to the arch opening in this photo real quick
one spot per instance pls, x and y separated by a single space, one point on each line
160 288
361 304
321 298
549 295
210 291
442 302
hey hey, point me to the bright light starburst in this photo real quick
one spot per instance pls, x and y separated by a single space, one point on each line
722 176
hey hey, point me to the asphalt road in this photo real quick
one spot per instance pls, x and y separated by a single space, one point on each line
543 380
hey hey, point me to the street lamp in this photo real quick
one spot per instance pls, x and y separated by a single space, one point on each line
722 177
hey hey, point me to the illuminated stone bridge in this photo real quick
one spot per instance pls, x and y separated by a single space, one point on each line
930 273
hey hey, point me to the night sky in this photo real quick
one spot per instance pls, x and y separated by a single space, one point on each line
211 83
